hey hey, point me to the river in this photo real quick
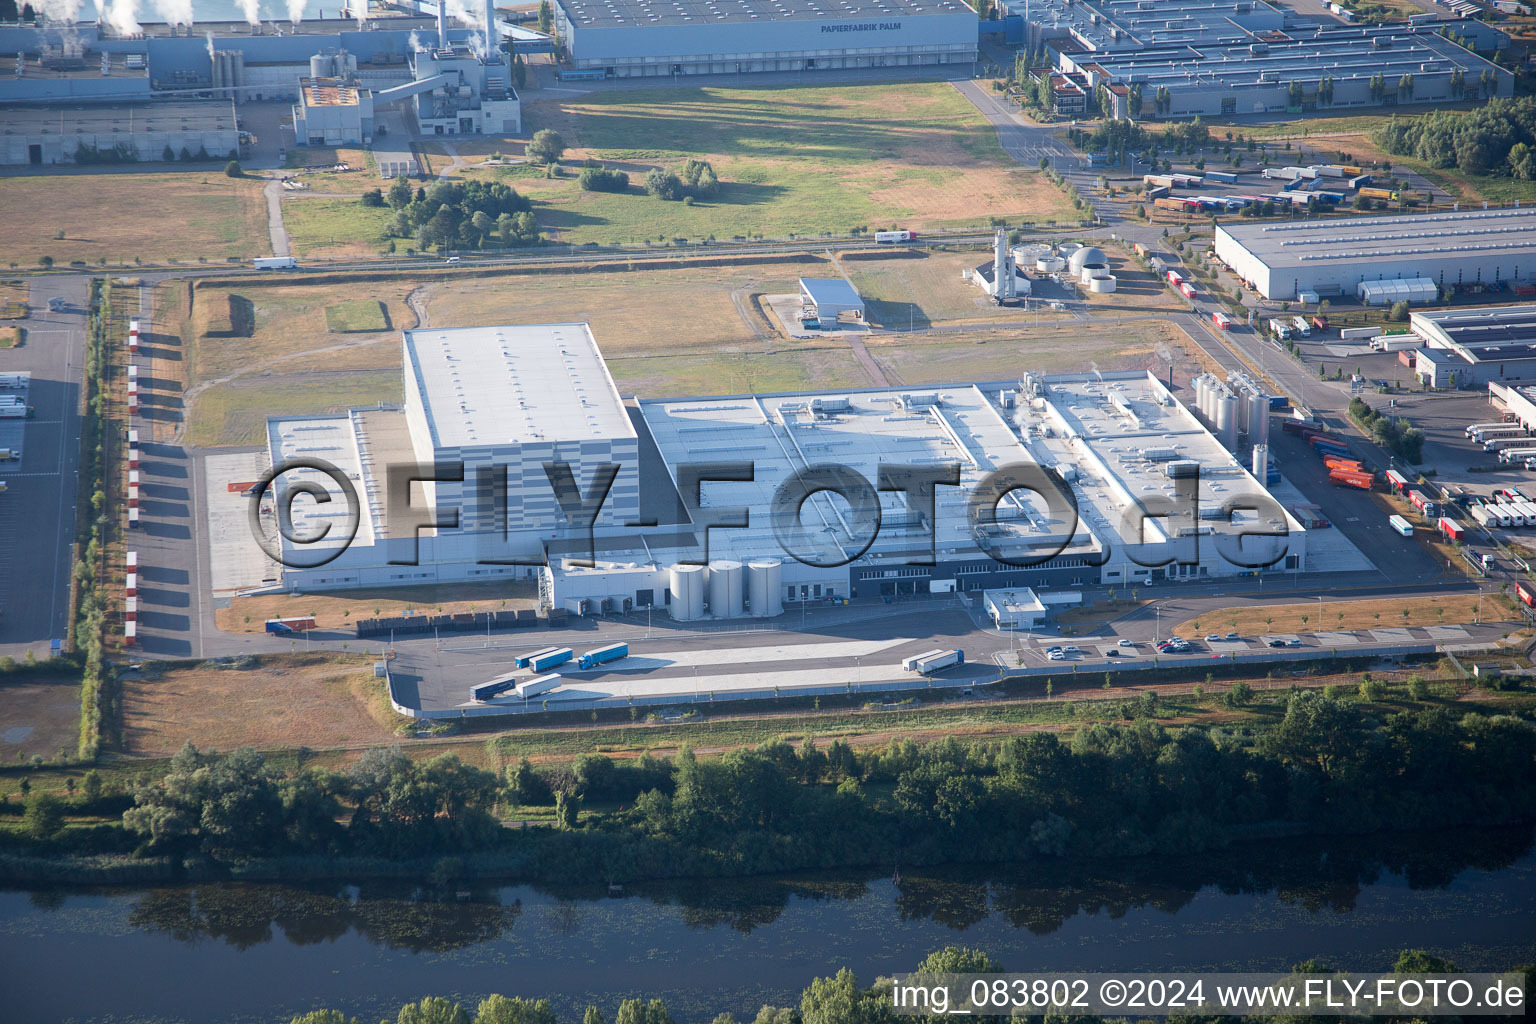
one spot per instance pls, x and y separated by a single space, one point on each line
258 952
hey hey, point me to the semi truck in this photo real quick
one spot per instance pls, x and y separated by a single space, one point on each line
493 688
1475 427
1401 525
1498 444
882 237
275 263
543 661
1222 321
1452 529
603 655
1302 326
1389 194
287 627
537 685
931 662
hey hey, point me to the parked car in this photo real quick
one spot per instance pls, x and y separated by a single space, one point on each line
1213 638
1128 643
1071 649
1234 636
1055 656
1278 643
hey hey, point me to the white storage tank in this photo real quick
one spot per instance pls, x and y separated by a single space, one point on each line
1226 420
1100 282
1050 264
1086 258
725 589
766 586
687 585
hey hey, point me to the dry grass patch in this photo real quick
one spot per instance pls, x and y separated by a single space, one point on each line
11 337
638 312
340 609
1047 348
285 701
177 215
1452 609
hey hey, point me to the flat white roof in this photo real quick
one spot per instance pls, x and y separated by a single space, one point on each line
513 384
831 292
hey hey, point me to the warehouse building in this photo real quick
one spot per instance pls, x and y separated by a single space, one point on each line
1333 257
1472 347
639 38
41 136
1046 483
830 299
332 112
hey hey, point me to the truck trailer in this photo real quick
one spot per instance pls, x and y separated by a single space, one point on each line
933 661
603 655
537 685
494 687
275 263
1401 525
543 661
287 627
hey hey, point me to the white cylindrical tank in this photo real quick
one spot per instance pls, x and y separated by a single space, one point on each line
687 584
1050 264
1226 420
766 576
725 589
1203 396
1100 282
1258 419
321 66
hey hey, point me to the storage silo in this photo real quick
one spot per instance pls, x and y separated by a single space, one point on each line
1100 282
766 585
1203 396
1258 418
1049 264
321 65
725 592
1226 419
687 582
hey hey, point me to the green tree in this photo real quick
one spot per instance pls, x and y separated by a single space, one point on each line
400 193
546 146
593 1014
546 17
232 169
44 817
637 1011
324 1017
498 1009
566 805
432 1010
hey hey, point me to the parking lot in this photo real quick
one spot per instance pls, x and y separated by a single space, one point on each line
37 507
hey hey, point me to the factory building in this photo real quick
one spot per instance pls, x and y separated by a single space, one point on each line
1332 257
42 136
1216 57
1473 347
830 299
716 510
337 72
332 112
642 38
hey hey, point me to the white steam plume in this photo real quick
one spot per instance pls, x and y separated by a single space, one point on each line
175 12
61 10
123 16
252 11
415 41
211 54
296 11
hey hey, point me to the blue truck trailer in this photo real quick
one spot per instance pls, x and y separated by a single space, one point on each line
603 655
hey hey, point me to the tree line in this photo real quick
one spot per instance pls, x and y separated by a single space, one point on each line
1392 432
1120 789
840 999
1494 139
460 215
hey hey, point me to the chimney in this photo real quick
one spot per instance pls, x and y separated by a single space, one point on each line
492 33
442 24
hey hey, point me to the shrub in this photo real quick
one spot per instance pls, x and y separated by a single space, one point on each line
233 169
598 179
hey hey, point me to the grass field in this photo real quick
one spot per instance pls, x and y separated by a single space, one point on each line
41 717
1047 348
791 161
1337 615
10 337
339 610
185 215
293 362
357 315
335 227
299 700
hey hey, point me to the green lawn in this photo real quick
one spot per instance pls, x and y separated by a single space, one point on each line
787 369
321 226
365 315
791 162
236 413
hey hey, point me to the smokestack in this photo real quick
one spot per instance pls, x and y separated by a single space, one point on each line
492 34
1002 273
442 23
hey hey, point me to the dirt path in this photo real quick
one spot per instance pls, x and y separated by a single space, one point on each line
275 229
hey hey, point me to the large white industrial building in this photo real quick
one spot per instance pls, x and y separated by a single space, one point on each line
1472 347
635 38
1332 257
1129 486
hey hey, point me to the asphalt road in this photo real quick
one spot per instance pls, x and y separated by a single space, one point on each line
37 510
